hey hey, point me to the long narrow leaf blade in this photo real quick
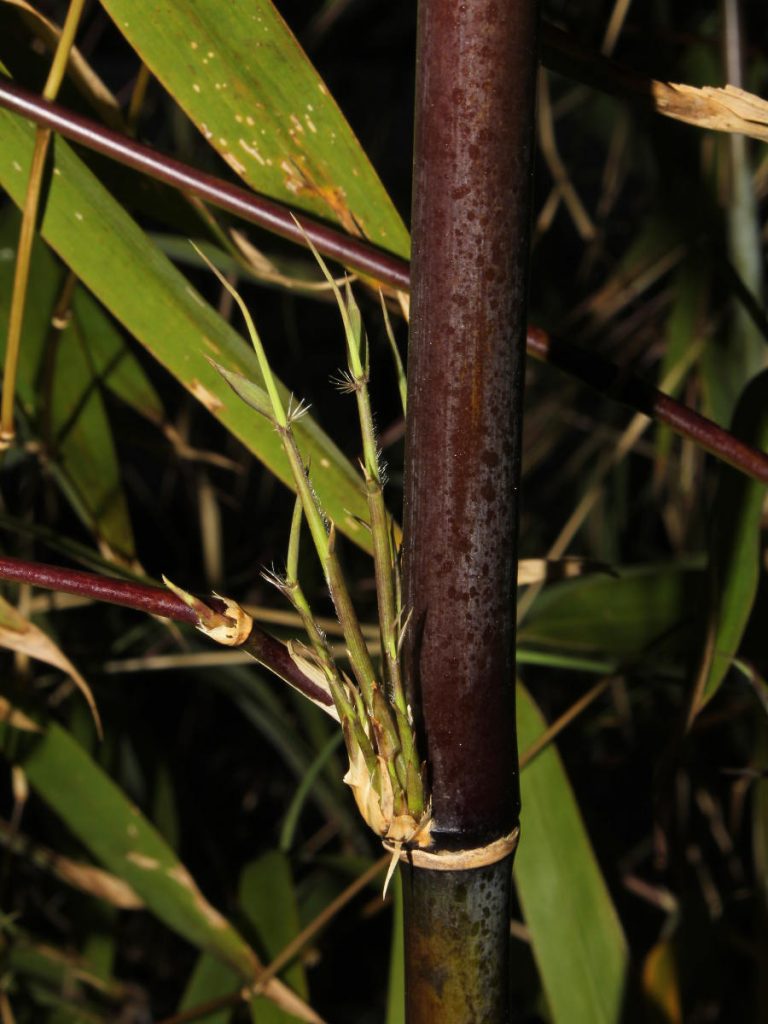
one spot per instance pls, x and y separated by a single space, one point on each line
61 394
620 616
576 936
209 980
118 835
239 73
734 567
268 901
108 251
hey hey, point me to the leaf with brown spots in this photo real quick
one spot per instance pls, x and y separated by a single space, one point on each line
141 288
241 76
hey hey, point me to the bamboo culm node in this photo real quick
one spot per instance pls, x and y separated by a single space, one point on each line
458 860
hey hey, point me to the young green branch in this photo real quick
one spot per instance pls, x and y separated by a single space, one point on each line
385 773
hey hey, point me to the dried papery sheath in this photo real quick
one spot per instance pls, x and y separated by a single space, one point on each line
458 860
377 806
230 628
17 718
302 657
230 636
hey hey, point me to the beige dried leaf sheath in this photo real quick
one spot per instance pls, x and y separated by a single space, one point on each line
725 109
18 634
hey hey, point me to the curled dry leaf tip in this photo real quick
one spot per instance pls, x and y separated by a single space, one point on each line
230 628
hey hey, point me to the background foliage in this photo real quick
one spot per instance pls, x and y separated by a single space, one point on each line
641 876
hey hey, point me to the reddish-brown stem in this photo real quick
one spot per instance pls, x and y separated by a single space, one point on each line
145 598
623 386
357 254
266 649
266 213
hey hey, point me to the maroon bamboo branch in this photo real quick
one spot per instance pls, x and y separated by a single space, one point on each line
263 647
621 385
266 213
591 369
568 56
141 596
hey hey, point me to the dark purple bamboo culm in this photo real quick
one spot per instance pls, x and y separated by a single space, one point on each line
475 83
357 254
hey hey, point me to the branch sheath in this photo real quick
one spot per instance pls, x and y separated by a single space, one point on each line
357 254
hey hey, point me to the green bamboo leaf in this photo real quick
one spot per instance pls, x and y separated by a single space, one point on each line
58 968
59 390
45 284
209 980
240 75
51 972
119 836
608 616
141 288
734 565
116 833
79 438
22 29
556 659
576 936
100 946
267 898
165 814
114 365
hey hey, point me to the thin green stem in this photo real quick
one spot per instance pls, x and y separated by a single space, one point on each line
63 47
20 284
357 358
359 657
402 383
294 541
323 539
347 710
27 231
293 814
